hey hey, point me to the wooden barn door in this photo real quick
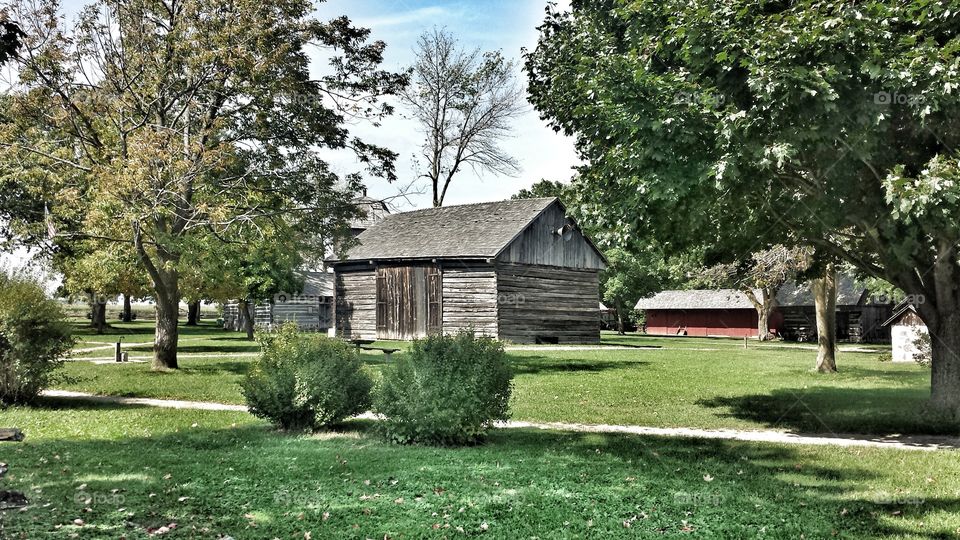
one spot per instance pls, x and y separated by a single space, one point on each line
408 301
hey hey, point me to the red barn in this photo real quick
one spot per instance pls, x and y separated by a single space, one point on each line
729 313
724 312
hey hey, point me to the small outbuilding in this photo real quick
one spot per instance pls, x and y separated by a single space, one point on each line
909 335
518 270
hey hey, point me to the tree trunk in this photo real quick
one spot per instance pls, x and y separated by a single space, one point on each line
247 309
825 302
168 317
763 323
764 307
620 326
127 315
945 369
98 315
193 313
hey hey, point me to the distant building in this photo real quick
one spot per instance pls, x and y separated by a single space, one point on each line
517 270
703 312
908 333
311 308
729 313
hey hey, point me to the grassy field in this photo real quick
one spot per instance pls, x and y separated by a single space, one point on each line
124 472
670 382
100 471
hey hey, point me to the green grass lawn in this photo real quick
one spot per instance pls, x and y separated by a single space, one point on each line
125 471
692 382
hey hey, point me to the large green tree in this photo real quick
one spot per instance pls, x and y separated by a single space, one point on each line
747 124
168 124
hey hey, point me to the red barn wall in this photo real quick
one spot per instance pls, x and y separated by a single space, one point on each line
708 322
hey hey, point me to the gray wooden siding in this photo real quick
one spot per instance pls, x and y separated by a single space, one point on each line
469 298
539 244
547 303
356 304
309 312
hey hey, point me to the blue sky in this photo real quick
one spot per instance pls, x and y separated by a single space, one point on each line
493 24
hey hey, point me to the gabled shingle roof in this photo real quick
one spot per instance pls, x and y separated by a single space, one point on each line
697 299
849 293
317 283
480 231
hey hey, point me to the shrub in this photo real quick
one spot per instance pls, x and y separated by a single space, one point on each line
306 380
34 338
448 390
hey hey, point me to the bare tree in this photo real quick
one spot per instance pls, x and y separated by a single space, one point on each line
464 102
760 278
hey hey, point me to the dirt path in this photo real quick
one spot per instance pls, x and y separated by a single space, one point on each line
900 442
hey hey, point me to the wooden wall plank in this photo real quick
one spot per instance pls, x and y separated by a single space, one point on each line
538 302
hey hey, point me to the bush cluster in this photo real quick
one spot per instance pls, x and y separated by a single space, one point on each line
449 390
34 338
306 381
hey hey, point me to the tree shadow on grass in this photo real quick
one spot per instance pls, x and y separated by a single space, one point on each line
532 365
829 410
523 482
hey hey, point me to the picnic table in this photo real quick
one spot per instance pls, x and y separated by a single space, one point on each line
366 344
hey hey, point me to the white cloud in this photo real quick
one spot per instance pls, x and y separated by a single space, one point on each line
431 14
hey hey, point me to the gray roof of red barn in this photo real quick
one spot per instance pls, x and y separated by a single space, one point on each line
849 293
469 231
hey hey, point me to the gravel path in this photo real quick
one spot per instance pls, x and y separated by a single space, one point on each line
901 442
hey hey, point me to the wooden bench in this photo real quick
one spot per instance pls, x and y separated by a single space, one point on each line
11 499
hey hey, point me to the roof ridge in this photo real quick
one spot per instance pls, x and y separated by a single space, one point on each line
452 206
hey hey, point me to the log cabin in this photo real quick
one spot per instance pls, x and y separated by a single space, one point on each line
519 270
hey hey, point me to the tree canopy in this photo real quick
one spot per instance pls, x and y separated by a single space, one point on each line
171 127
737 126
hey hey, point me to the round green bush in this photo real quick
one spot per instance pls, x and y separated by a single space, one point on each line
303 381
34 338
449 391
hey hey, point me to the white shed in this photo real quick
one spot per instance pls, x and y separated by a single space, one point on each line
907 332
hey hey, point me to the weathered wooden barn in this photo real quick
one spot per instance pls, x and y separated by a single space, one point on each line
518 270
729 313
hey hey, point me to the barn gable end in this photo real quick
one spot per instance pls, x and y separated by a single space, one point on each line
553 239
